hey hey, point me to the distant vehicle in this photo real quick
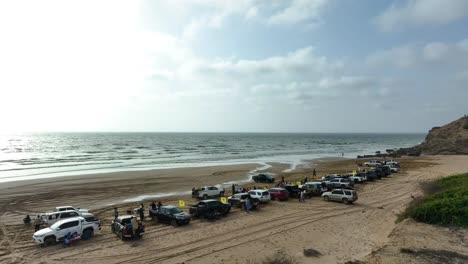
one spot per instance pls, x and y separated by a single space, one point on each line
373 163
280 194
313 188
267 178
294 190
171 215
57 232
70 208
262 195
341 195
382 171
393 168
340 183
392 162
238 200
123 227
52 218
330 176
378 173
386 170
207 192
210 209
371 176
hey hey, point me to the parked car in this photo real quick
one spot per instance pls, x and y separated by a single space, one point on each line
52 218
127 226
210 209
294 190
381 171
238 200
393 168
263 178
340 183
392 162
371 176
262 195
70 208
385 169
57 232
342 195
378 173
90 218
207 191
280 194
313 188
171 215
330 176
358 177
373 163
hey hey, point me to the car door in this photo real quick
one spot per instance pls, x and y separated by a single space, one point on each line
212 191
163 215
336 195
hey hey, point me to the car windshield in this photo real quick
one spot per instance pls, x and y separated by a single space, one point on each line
175 211
265 193
55 226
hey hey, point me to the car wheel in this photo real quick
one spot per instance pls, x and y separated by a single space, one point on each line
326 198
174 222
49 241
345 200
87 234
205 197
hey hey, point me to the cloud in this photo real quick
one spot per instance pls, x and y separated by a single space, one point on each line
298 11
419 13
411 55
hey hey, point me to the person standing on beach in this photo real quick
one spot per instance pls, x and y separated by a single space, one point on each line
314 173
116 213
282 179
142 212
37 223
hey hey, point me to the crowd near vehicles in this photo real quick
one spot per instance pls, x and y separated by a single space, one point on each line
127 226
207 192
67 220
170 214
210 209
341 195
57 232
267 178
238 200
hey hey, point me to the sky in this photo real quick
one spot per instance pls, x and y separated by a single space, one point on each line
233 66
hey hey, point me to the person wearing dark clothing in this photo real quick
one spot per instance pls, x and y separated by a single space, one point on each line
27 219
233 189
142 212
314 173
153 205
282 178
116 213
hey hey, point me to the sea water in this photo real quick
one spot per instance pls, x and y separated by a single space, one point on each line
39 155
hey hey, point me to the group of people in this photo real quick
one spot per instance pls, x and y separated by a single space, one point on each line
38 221
140 210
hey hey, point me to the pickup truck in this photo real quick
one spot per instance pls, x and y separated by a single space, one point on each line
207 191
58 231
373 163
210 209
359 177
126 226
313 188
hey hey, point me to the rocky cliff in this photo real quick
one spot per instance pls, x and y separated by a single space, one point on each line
449 139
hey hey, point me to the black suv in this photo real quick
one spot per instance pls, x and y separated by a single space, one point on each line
210 209
171 215
294 190
263 178
371 175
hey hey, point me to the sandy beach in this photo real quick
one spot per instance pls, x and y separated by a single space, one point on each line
339 232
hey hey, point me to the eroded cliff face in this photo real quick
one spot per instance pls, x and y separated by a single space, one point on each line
450 139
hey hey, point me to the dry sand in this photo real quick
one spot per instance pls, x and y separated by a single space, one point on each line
361 231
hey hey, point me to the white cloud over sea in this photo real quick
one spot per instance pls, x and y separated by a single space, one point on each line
266 66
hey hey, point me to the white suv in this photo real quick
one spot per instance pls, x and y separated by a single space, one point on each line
341 195
52 218
70 208
262 195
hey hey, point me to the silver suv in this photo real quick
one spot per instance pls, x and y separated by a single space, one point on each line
340 183
341 195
